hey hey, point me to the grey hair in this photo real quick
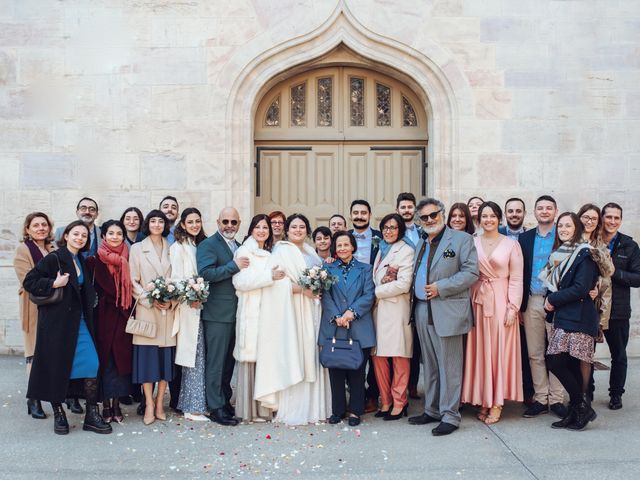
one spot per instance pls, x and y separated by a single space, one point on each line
430 201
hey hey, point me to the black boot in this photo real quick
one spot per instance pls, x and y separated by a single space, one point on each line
584 414
570 418
34 408
60 424
93 421
73 404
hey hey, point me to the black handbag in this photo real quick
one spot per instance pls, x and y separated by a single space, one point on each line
53 297
344 354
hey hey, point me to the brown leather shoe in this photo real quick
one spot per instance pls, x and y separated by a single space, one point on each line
370 406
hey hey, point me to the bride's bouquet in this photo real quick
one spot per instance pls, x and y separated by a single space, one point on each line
161 290
317 279
193 290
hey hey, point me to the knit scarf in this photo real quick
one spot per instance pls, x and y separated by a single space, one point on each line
35 252
559 263
117 261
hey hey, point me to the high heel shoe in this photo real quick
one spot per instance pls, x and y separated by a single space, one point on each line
161 416
34 408
494 415
383 413
398 416
149 416
117 414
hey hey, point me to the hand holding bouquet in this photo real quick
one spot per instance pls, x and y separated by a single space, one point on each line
317 279
194 291
161 291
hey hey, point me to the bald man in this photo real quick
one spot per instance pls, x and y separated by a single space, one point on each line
217 265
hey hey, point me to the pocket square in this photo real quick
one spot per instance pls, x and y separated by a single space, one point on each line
448 253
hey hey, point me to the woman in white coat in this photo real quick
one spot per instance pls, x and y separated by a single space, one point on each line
392 276
309 399
187 325
254 298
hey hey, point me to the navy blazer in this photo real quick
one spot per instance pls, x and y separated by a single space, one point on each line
357 292
526 241
574 309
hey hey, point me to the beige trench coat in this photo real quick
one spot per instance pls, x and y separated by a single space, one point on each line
394 336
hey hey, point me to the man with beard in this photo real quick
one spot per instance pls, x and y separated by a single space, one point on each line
537 245
337 223
217 265
367 240
514 211
445 268
87 213
169 206
406 208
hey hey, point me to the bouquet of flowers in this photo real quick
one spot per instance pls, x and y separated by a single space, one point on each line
193 290
317 279
161 290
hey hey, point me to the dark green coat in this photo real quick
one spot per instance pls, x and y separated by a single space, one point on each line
216 266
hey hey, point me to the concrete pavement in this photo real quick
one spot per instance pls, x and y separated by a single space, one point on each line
514 448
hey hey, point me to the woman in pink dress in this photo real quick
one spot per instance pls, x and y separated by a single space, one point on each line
493 370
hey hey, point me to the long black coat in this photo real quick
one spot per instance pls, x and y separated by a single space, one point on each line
58 325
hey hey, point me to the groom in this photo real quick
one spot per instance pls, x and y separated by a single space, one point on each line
445 268
216 265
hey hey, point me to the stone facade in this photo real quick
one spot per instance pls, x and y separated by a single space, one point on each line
127 101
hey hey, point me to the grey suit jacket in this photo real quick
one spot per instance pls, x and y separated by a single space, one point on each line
454 273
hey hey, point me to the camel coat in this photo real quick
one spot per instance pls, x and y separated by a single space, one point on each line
394 337
145 267
22 264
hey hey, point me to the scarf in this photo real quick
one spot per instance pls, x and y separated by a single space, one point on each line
35 252
559 263
117 262
384 248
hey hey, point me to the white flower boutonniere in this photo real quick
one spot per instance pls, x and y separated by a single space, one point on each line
375 242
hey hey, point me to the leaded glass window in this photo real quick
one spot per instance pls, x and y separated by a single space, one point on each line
325 99
356 101
298 105
383 105
272 119
409 118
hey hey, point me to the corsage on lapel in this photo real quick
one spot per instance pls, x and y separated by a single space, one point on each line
448 253
375 242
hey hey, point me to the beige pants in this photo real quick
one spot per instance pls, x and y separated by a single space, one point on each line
548 389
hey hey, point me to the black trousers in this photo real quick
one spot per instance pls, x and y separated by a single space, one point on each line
527 379
174 386
617 338
220 339
414 372
339 378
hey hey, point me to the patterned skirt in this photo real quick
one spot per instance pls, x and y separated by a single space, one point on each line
577 344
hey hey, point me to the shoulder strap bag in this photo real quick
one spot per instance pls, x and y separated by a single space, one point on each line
54 297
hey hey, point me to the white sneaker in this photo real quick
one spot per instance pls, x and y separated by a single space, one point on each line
196 417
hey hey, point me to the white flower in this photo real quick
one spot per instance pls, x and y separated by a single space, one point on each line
200 280
155 292
171 288
323 274
196 287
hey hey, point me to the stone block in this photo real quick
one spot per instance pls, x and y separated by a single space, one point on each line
485 78
176 102
27 34
167 66
16 204
165 171
101 171
239 31
7 67
506 30
531 79
451 29
206 171
10 168
530 171
48 171
498 170
24 136
473 56
514 57
10 236
114 202
478 136
447 8
530 104
184 32
527 136
485 8
493 104
563 170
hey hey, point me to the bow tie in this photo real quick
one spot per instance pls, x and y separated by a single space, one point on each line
360 235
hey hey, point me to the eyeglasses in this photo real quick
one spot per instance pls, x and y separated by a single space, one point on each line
232 222
84 208
588 219
277 222
432 215
389 228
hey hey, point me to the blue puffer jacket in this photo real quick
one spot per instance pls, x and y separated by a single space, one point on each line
574 309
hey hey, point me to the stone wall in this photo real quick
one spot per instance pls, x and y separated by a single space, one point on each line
127 100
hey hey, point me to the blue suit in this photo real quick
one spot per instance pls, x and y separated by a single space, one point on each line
357 292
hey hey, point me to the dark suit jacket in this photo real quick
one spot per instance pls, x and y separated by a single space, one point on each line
374 250
216 266
357 292
526 241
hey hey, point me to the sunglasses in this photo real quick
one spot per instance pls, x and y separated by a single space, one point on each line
232 222
432 216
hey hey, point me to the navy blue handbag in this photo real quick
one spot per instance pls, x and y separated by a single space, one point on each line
345 354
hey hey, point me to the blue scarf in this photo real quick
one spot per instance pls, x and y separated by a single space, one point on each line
384 248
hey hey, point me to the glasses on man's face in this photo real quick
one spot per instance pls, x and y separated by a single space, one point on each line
588 219
389 228
232 222
84 208
430 216
277 222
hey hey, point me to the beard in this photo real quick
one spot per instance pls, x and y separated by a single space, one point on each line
228 235
430 230
360 223
515 226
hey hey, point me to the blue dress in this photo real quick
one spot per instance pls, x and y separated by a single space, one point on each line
85 360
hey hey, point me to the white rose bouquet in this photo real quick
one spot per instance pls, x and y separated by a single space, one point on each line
161 290
317 279
193 291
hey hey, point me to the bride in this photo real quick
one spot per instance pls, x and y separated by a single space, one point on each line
307 397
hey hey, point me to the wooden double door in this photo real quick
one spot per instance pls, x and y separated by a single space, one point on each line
322 179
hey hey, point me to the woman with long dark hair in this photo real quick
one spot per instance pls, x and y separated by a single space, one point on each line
37 242
460 218
187 325
65 356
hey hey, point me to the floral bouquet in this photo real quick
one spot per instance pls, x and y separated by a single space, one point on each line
316 279
161 290
193 290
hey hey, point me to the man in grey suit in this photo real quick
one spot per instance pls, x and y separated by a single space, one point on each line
445 268
217 265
